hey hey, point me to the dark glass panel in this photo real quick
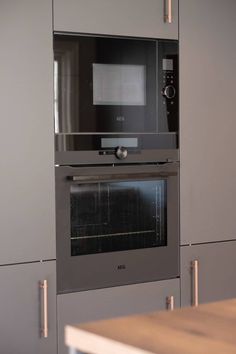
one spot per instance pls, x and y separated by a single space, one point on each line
117 216
105 84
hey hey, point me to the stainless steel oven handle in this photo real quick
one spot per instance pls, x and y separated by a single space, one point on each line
120 176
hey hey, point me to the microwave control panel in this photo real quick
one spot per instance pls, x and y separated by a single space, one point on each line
168 90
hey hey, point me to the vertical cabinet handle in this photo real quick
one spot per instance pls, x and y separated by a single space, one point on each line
170 303
44 289
168 11
195 282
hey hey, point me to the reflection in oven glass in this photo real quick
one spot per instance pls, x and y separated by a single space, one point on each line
118 216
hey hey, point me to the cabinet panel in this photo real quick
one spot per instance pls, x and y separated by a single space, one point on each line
216 272
21 307
27 141
118 301
207 120
124 17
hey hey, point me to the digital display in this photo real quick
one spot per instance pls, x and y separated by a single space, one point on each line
167 64
114 142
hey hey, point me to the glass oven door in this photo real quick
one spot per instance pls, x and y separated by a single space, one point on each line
118 216
116 225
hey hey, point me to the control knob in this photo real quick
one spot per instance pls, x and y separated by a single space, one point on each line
169 91
121 152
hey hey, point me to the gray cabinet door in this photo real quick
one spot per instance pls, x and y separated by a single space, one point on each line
21 306
216 272
139 18
111 302
207 120
27 231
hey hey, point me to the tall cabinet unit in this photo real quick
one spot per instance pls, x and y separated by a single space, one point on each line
27 221
134 18
27 227
207 142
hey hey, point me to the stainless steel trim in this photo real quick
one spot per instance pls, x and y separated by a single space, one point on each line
84 158
114 133
97 35
44 288
194 267
170 303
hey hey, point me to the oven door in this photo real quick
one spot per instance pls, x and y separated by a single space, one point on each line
116 225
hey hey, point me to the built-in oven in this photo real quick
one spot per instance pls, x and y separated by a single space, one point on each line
116 225
112 92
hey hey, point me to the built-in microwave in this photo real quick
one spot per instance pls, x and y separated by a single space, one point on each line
112 93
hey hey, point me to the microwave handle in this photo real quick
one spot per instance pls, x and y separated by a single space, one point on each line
128 176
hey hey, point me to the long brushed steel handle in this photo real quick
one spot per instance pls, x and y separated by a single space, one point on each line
170 303
194 266
44 287
168 11
121 176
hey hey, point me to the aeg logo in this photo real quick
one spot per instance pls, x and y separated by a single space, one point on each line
121 266
120 119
